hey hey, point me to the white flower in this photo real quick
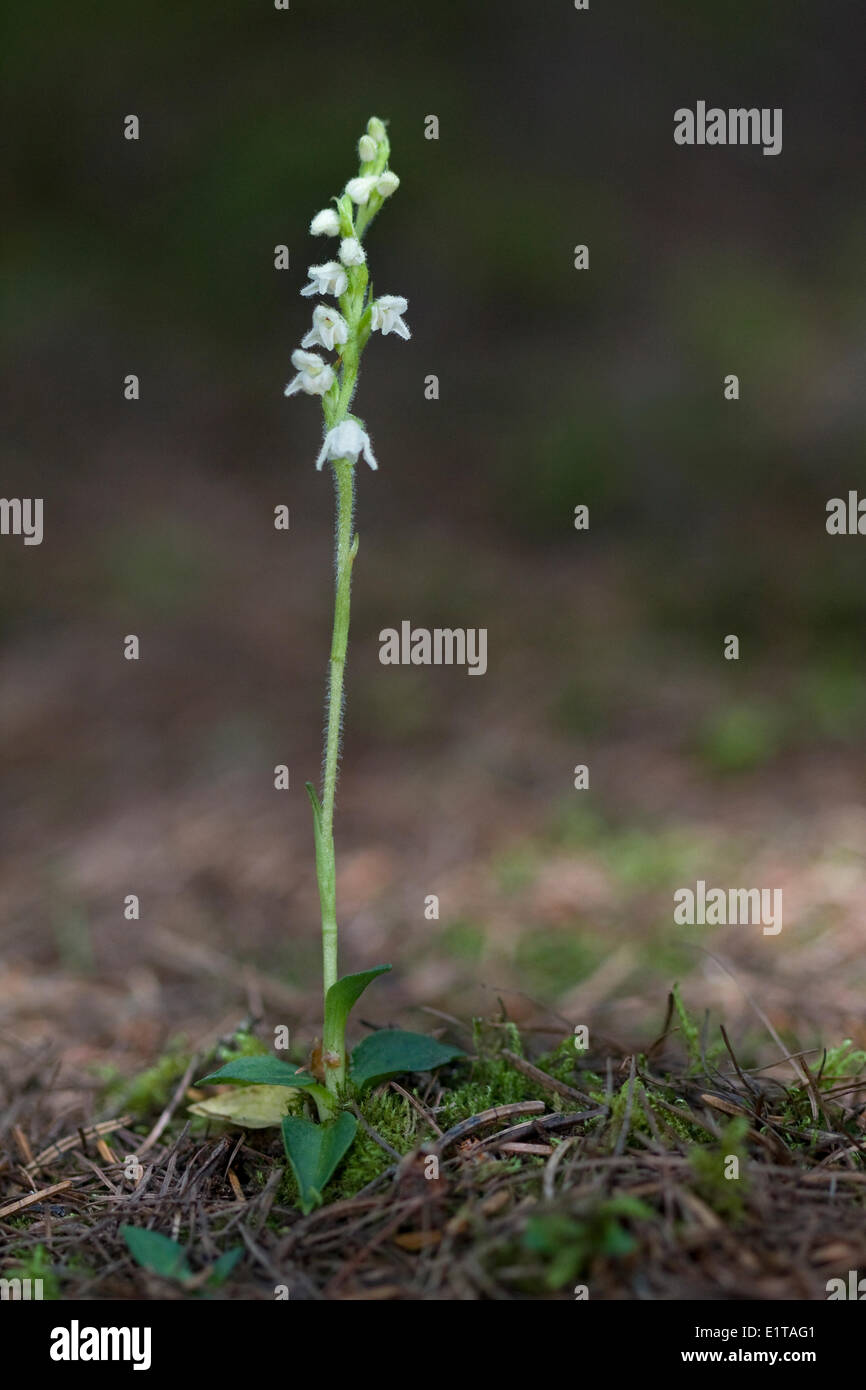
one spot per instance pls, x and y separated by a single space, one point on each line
386 184
329 327
314 375
329 278
385 315
347 441
325 223
366 149
351 251
359 189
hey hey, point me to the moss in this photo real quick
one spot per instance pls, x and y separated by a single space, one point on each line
714 1173
561 1063
841 1063
394 1120
243 1043
150 1091
700 1058
686 1128
490 1079
619 1108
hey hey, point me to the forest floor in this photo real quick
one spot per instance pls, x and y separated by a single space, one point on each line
555 912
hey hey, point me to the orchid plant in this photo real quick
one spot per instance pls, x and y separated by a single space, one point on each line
316 1146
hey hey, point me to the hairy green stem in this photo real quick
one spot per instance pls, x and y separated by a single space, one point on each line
344 475
333 1041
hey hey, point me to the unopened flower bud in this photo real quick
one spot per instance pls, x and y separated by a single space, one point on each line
386 184
351 251
367 149
325 223
359 189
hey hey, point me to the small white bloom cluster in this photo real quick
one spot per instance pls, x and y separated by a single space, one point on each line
346 330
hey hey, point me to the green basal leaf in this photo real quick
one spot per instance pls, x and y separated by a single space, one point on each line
340 999
157 1253
392 1052
314 1151
260 1071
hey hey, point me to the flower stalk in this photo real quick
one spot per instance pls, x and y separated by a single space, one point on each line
346 333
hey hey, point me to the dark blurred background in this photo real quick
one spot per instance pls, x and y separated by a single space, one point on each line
558 387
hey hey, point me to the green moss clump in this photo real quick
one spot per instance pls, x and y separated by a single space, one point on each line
243 1043
841 1063
691 1036
619 1105
561 1063
151 1090
714 1172
491 1080
395 1121
688 1030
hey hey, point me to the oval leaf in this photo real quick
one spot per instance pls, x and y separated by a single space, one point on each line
314 1151
251 1107
156 1252
393 1052
260 1071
